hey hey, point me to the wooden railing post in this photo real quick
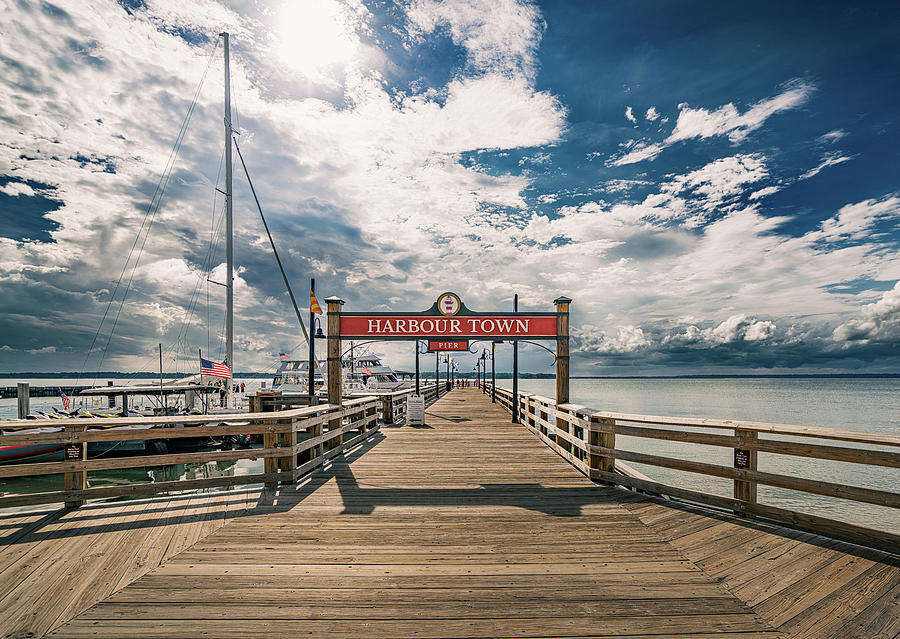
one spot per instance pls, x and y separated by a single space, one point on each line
529 418
562 366
372 410
334 364
75 451
288 463
597 437
270 464
387 410
744 459
314 431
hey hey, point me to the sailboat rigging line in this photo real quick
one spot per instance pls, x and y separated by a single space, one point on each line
215 232
147 221
272 242
213 235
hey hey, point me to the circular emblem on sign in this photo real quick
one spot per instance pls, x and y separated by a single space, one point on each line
449 304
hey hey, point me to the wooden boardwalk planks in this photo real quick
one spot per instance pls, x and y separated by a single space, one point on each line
55 564
469 527
802 584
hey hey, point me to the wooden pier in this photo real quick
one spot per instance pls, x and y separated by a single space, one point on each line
468 527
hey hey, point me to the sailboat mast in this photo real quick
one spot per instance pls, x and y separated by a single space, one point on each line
229 245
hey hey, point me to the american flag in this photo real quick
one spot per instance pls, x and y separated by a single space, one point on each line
215 369
66 400
284 355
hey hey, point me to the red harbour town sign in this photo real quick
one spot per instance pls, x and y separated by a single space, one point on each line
449 320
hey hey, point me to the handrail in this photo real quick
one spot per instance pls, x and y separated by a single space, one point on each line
585 437
286 456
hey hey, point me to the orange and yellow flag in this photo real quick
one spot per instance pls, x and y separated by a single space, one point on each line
314 304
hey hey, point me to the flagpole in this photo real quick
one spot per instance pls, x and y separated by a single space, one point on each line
205 394
312 345
160 379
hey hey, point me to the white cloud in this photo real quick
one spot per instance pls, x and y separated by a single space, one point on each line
720 180
652 114
727 120
764 192
638 152
592 340
40 351
833 136
536 159
740 327
500 36
367 177
629 115
370 187
620 186
877 322
828 160
691 335
853 221
734 329
14 189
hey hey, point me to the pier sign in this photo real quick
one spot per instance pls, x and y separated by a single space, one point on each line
448 345
448 320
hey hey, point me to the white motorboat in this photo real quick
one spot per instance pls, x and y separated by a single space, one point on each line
365 373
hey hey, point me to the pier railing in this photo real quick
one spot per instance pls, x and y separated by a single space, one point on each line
392 406
586 438
294 442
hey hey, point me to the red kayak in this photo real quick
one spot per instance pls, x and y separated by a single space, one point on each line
32 452
51 451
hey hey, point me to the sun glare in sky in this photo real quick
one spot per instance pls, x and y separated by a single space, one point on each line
315 34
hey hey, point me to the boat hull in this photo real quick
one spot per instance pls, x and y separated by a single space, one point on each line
31 453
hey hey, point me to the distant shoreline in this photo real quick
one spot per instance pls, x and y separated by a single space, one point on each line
503 375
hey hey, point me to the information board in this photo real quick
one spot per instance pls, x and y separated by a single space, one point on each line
415 410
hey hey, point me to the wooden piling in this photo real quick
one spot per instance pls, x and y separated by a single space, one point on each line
23 397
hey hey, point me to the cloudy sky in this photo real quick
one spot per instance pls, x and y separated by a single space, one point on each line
716 189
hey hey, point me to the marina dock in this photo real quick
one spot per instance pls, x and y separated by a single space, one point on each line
470 526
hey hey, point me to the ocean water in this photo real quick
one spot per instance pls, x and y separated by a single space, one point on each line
871 405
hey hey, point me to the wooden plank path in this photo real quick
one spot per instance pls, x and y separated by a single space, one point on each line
469 527
56 563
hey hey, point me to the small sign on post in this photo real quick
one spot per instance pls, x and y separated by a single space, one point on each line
415 410
447 345
73 451
741 458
